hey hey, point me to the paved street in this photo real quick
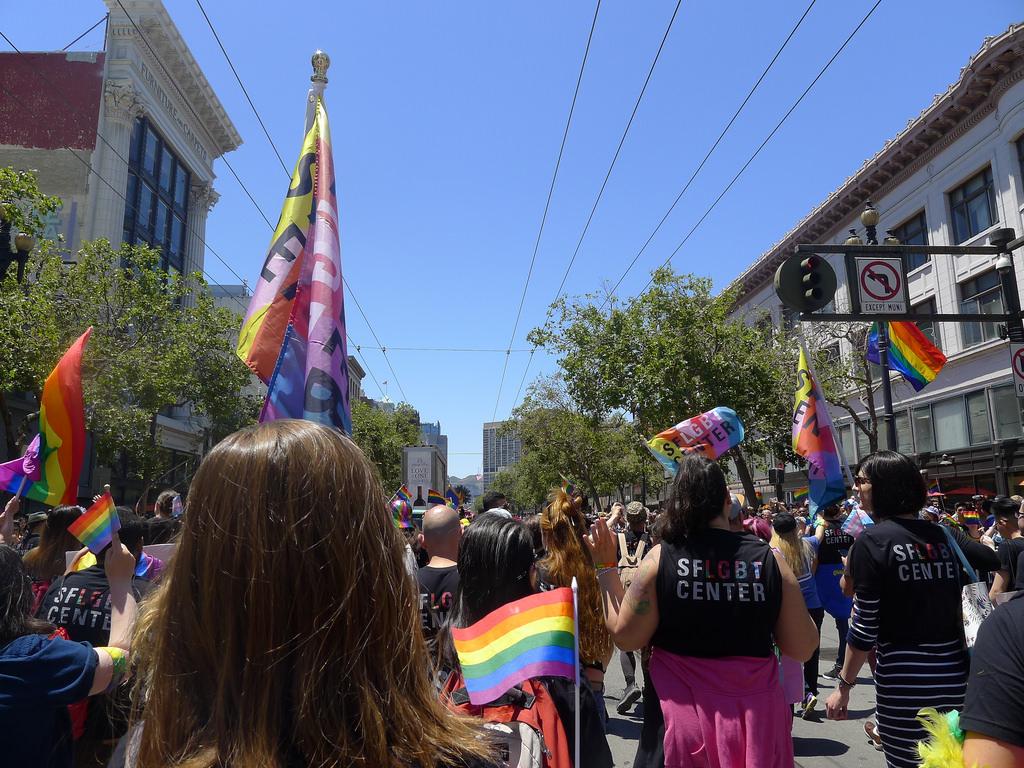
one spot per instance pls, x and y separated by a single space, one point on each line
818 742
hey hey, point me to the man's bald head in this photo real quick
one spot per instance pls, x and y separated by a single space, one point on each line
441 532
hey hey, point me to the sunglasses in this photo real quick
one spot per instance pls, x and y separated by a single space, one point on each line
858 480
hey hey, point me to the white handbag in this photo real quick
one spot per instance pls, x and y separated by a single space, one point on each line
974 600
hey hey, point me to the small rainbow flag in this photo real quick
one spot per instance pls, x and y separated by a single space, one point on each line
401 510
403 494
800 495
527 638
97 525
453 497
568 488
910 352
435 497
970 517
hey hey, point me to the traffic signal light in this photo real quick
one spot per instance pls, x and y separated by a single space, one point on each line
805 282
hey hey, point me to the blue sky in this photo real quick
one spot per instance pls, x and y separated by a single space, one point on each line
446 119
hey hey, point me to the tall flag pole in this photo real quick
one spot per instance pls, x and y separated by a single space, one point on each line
293 335
576 668
814 439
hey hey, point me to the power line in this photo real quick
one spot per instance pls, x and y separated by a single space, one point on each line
547 203
604 184
615 157
714 146
90 29
89 167
766 140
244 91
446 349
252 105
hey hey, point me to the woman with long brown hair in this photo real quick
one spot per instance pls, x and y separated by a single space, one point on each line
563 527
285 631
47 561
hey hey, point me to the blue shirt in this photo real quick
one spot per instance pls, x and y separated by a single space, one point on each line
808 586
39 677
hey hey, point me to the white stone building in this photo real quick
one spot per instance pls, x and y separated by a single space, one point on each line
126 138
951 177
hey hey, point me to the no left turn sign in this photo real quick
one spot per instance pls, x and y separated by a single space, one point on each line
881 285
1017 366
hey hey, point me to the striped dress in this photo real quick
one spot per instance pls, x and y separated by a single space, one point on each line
907 603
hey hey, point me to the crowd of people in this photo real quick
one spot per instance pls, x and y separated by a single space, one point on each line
302 619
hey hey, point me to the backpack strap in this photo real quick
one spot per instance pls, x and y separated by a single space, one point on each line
640 549
513 697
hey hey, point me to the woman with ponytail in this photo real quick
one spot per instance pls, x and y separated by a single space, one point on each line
563 527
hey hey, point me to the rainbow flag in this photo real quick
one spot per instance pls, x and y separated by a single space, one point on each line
453 497
910 352
403 494
814 439
96 527
293 335
61 430
568 488
527 638
19 475
800 495
970 517
435 497
401 511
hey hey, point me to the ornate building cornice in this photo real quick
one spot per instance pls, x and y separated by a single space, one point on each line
995 68
121 102
182 73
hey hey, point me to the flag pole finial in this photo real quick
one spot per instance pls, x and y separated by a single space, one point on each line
321 61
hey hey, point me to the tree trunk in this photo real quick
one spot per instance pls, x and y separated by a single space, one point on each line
147 470
5 415
745 477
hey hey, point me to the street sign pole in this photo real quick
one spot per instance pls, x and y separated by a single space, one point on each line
883 361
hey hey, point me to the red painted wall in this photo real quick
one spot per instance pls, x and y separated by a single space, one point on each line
55 102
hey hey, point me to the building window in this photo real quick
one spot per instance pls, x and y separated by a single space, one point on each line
973 206
983 295
927 327
1006 410
846 443
863 442
948 418
156 211
904 439
977 418
1020 155
923 436
914 231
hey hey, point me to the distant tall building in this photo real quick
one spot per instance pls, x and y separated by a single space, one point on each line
500 451
430 434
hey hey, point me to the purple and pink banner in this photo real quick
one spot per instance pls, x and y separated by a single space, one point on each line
712 434
814 438
301 280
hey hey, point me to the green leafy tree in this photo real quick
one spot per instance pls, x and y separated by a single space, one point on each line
671 353
464 492
22 203
600 452
383 435
158 342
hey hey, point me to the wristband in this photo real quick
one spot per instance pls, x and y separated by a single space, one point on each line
602 571
603 566
843 682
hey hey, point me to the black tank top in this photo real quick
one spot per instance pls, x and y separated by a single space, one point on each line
719 594
834 545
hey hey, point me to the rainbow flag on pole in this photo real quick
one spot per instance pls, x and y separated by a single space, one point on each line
96 527
435 497
814 439
293 336
910 352
403 494
49 470
528 638
800 495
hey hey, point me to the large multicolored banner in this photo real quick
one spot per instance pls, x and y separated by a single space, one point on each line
293 335
712 433
814 438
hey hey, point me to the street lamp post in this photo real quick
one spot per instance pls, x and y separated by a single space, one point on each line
23 245
869 218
